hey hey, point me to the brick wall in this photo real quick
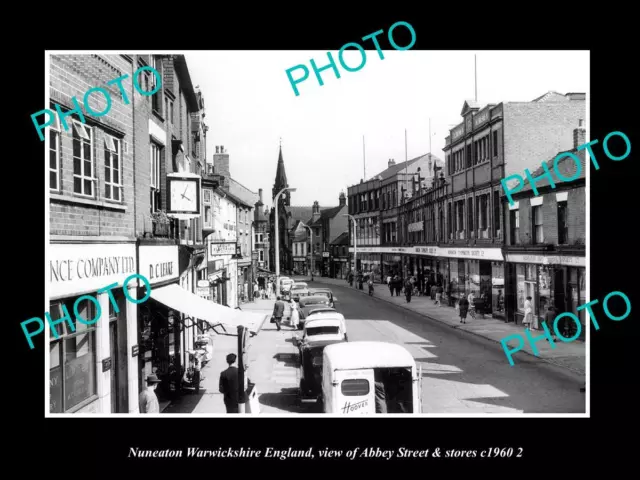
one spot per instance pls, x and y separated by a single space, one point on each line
72 76
536 132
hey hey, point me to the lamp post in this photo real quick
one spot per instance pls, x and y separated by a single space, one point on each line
311 252
275 202
355 247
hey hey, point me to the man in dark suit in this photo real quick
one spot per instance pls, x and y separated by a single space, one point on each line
278 312
229 385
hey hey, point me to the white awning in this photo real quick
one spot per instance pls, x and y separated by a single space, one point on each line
177 298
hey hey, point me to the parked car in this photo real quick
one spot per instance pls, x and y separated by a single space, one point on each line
328 314
360 378
317 334
299 289
285 285
306 304
324 292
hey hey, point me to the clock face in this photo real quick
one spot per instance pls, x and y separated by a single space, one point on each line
184 196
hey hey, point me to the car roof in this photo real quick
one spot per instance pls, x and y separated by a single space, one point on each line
322 322
310 299
300 285
322 342
328 290
360 355
322 313
316 340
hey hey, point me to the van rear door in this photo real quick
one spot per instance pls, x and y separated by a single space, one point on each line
355 392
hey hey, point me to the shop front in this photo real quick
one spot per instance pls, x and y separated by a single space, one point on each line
300 265
340 267
223 273
549 279
91 369
472 270
161 346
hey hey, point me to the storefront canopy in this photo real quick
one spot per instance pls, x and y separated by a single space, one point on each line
177 298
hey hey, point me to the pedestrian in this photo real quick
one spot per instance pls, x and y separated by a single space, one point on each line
549 317
148 401
229 385
528 314
370 283
278 312
463 308
256 291
439 291
295 315
472 305
195 364
408 290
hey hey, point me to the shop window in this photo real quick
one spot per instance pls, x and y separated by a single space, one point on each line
563 229
514 224
545 292
497 288
72 375
538 233
520 287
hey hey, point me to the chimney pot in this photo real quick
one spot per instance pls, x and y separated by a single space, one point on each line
217 149
221 148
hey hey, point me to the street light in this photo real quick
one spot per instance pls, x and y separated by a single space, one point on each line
355 246
275 202
311 235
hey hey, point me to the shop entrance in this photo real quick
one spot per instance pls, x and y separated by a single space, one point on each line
118 354
486 286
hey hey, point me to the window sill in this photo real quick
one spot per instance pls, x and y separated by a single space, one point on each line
158 115
87 201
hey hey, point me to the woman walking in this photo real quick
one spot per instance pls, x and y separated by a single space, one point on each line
463 308
472 305
295 315
528 314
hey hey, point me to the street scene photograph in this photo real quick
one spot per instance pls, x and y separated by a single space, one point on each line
281 233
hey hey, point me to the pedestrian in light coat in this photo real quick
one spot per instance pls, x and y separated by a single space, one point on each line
147 401
528 314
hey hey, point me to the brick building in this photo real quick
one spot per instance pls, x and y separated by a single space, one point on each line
546 237
492 143
375 206
92 235
261 229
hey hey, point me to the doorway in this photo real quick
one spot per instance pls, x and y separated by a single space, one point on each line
118 353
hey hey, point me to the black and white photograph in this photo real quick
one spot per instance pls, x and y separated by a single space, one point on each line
286 233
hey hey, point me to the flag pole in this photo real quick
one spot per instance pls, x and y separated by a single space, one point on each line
364 162
475 72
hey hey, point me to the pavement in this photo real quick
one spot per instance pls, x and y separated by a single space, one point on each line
571 355
273 367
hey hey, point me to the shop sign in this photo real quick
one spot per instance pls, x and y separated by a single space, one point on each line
560 260
203 292
77 268
106 364
416 226
135 350
520 258
158 262
299 259
203 283
254 256
223 248
325 254
472 253
426 250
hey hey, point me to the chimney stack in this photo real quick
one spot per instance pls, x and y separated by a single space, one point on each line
391 162
260 194
579 134
343 199
221 165
217 149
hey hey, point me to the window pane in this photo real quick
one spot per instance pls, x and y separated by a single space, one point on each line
79 379
55 379
355 387
107 191
117 191
116 161
77 166
87 150
87 187
107 173
77 185
116 177
107 158
53 179
87 169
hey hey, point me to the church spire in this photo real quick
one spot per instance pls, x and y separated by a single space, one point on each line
281 178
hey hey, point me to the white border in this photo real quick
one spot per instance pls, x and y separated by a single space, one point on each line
47 414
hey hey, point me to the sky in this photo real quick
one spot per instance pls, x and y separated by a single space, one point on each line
250 105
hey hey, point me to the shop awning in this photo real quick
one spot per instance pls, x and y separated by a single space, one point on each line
177 298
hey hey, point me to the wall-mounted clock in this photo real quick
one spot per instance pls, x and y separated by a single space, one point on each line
184 195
